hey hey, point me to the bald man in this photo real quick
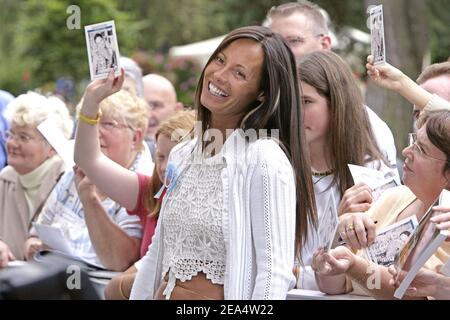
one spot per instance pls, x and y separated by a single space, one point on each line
161 96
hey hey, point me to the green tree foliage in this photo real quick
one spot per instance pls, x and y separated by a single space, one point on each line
439 17
165 23
43 49
36 48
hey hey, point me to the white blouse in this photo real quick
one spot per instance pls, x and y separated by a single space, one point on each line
193 237
258 222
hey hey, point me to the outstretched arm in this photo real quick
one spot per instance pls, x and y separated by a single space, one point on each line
391 78
117 182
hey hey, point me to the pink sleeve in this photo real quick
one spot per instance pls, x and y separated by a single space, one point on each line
141 203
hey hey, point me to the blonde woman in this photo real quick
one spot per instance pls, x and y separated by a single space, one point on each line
33 168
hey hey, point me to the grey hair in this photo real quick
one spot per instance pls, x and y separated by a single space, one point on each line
134 72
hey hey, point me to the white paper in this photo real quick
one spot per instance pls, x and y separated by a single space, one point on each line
102 48
378 45
53 238
328 224
55 137
375 179
444 198
418 261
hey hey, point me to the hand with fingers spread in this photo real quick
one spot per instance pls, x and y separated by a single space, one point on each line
100 89
356 199
357 229
5 255
442 220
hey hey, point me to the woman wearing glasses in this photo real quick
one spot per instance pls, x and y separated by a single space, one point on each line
425 173
98 229
391 78
33 169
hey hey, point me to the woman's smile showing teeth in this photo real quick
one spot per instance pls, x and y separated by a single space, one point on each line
216 91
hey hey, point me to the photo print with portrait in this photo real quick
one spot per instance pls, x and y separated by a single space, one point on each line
378 45
103 50
390 240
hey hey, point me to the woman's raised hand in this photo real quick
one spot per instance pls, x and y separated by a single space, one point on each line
100 89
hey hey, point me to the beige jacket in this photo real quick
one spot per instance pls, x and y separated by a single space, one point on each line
15 219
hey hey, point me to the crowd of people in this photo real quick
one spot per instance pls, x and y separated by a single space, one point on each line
225 201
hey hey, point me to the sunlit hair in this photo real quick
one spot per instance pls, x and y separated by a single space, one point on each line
279 110
433 71
30 109
315 14
438 131
350 138
174 128
125 105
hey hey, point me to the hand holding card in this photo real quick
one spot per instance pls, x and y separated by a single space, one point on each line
98 90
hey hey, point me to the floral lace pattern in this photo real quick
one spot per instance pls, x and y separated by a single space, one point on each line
192 222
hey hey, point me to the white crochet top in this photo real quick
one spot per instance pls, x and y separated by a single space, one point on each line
192 222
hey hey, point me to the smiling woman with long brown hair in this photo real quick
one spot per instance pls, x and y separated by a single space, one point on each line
237 202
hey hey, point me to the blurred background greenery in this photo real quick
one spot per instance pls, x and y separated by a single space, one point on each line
36 47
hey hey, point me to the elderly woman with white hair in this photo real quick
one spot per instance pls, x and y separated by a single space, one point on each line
33 168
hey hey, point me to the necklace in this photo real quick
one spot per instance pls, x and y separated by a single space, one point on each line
324 173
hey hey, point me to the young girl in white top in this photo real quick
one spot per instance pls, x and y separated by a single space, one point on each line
338 133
